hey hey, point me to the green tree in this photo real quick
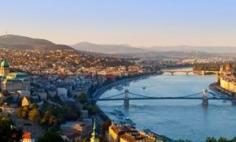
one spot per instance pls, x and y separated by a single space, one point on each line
18 112
50 136
83 98
34 115
24 114
92 109
211 139
221 139
8 132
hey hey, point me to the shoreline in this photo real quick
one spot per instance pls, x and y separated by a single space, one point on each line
98 92
215 87
102 119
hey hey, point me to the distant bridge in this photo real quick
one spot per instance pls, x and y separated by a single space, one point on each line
204 96
187 72
172 72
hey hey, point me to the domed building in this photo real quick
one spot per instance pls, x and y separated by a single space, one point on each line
4 68
12 81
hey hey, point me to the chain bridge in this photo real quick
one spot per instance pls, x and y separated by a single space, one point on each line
204 95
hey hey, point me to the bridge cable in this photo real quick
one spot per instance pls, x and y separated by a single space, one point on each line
139 95
190 95
109 97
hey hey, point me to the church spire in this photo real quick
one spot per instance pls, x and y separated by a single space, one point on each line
94 137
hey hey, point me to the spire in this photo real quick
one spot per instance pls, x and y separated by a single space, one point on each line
94 137
94 128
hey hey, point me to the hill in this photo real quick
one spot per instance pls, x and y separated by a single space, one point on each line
107 49
27 43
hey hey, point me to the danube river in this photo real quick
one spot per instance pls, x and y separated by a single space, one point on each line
177 119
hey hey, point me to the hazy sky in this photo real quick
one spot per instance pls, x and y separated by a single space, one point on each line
135 22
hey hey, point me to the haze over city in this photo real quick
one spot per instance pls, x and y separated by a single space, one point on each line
138 23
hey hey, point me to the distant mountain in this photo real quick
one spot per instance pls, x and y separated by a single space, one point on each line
107 49
22 43
127 49
185 48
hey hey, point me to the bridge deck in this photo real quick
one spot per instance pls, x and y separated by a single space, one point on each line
163 98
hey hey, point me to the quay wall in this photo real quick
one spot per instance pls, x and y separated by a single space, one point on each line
228 85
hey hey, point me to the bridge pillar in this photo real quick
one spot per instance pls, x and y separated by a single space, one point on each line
126 99
205 97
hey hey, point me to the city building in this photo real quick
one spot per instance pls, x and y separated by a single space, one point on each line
126 133
12 81
227 78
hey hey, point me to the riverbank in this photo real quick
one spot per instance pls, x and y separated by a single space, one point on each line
217 88
103 120
99 91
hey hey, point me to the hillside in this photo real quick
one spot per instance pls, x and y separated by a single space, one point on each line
23 43
107 49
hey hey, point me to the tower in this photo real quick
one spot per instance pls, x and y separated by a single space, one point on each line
94 137
205 97
4 68
126 99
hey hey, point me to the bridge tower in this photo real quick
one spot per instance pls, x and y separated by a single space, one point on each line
205 97
126 98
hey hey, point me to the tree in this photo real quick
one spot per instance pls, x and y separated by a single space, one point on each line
49 119
92 109
8 132
50 136
24 114
211 139
34 115
221 139
18 112
83 98
71 113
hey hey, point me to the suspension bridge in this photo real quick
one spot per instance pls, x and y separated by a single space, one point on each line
204 95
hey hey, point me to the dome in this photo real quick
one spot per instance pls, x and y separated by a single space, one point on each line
4 64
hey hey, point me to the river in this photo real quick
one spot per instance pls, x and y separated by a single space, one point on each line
177 119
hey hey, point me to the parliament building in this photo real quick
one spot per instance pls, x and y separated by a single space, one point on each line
227 78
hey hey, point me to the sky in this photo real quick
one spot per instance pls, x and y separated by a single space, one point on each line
135 22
